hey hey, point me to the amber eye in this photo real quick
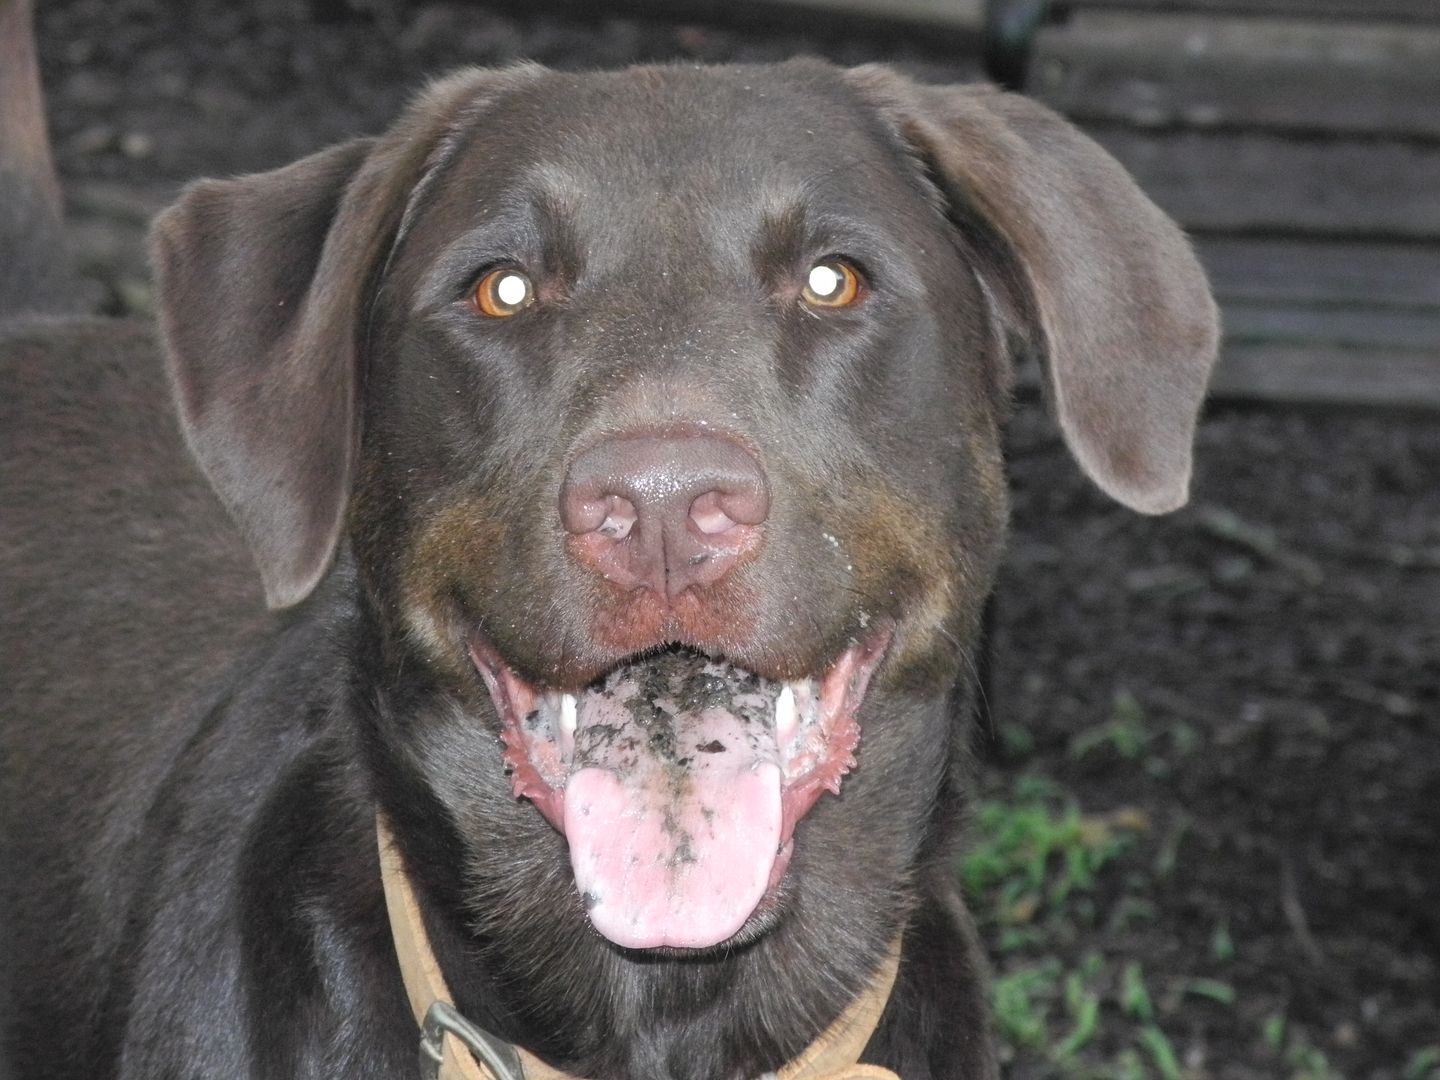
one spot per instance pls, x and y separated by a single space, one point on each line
831 283
503 292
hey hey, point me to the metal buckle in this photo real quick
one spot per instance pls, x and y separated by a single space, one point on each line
442 1019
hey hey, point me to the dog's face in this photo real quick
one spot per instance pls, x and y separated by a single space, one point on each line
662 408
667 439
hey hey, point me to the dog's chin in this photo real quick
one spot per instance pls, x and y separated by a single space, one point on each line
677 779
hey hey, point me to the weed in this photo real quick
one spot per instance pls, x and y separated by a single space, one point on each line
1134 998
1424 1064
1022 1005
1184 739
1303 1060
1129 1066
1153 1041
1083 1005
1222 945
1213 989
1037 848
1015 741
1272 1030
1131 911
1124 732
1307 1062
1169 855
1032 873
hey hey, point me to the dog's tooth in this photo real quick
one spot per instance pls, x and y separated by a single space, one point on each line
786 719
567 713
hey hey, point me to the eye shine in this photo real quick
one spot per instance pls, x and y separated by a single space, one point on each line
503 292
831 283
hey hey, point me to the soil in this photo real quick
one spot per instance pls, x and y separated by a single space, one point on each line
1276 644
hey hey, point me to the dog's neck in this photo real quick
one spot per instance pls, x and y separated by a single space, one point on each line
834 1055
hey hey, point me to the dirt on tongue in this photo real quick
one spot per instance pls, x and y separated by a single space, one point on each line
673 810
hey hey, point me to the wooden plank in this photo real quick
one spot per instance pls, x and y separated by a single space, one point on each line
1316 376
954 14
1196 71
1310 375
1302 270
1332 325
952 18
1246 181
1419 11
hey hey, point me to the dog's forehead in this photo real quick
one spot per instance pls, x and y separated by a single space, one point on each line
673 145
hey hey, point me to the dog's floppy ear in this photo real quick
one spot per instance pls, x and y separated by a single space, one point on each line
1115 299
263 282
260 283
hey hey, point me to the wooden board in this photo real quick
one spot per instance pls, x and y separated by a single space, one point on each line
1420 11
1249 181
956 14
1331 326
1309 271
1203 72
953 17
1316 376
1290 375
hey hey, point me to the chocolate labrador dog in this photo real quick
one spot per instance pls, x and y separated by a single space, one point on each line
620 456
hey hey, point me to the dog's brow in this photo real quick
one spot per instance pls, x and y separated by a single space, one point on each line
554 189
440 158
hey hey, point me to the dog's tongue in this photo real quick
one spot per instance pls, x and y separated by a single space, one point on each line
673 811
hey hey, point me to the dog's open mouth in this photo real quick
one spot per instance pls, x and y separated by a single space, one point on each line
677 780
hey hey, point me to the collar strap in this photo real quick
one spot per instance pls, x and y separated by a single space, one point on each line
452 1048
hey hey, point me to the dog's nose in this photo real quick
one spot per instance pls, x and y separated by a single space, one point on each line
664 512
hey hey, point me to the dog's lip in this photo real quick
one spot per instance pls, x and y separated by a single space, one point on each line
678 780
538 768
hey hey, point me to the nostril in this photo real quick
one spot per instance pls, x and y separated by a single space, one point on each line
620 518
749 502
709 516
612 516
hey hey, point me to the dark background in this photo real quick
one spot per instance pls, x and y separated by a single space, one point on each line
1223 726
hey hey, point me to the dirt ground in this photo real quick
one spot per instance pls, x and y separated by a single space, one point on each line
1207 841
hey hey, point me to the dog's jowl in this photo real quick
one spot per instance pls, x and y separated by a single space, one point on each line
620 457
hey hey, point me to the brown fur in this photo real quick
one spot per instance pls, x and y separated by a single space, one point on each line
393 463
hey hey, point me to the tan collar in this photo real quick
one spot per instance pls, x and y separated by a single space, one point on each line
454 1049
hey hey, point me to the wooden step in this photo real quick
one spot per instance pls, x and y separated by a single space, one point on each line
1299 141
1250 181
1167 71
1311 375
1314 272
1416 11
952 14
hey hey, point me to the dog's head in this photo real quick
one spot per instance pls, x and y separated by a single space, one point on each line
661 411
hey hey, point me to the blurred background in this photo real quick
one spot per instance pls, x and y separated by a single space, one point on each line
1206 839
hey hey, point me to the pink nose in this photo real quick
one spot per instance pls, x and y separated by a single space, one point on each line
664 512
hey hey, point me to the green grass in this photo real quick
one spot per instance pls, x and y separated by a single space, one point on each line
1035 849
1219 992
1222 945
1042 875
1424 1064
1304 1061
1129 737
1125 732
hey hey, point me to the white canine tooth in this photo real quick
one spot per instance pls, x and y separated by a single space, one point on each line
786 719
567 714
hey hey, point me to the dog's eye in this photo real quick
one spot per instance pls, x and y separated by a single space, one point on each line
503 292
832 283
